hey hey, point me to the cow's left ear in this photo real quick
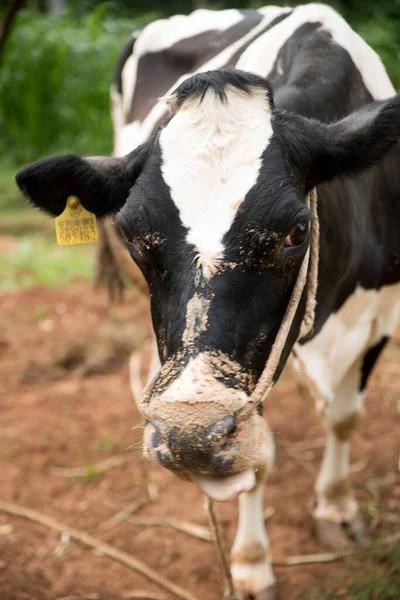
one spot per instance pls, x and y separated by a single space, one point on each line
349 146
101 183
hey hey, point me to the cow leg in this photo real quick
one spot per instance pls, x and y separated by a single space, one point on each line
251 557
337 514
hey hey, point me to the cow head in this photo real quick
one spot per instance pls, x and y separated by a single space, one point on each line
212 209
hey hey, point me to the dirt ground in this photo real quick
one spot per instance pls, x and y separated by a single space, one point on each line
60 409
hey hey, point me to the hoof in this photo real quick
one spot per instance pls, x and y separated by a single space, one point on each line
267 594
332 535
253 581
358 531
342 536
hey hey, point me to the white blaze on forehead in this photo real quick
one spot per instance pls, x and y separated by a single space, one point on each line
211 157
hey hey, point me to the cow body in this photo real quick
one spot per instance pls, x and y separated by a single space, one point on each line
223 227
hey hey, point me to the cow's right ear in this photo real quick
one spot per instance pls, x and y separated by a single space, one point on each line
101 183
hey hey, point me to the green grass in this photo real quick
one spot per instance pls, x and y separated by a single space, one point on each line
376 577
37 260
54 83
105 443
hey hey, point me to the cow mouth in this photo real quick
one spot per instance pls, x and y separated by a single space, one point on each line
223 489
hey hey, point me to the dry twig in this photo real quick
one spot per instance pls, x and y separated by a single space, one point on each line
193 529
308 559
100 467
308 444
215 531
105 549
268 512
358 467
79 597
124 513
300 460
139 595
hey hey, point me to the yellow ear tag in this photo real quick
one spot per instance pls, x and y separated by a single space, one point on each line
76 225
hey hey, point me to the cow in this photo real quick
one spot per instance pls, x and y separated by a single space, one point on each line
208 188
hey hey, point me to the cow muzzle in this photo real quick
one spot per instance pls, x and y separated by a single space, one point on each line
203 439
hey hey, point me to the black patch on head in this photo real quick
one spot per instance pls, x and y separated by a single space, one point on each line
370 359
197 86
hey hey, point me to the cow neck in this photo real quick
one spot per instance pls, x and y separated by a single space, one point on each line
308 271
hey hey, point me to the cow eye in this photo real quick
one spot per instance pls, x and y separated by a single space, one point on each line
298 234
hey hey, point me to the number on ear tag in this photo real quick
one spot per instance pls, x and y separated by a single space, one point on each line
76 225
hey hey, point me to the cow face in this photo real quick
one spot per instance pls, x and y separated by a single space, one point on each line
212 209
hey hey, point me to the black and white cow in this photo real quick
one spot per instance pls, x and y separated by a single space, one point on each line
211 206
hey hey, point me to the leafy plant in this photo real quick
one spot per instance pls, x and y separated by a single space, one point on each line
54 83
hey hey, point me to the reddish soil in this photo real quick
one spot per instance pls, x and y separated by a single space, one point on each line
56 412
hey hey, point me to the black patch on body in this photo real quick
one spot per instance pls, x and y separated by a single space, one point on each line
359 215
316 77
370 359
235 57
123 57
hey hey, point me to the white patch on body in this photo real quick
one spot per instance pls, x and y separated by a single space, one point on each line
128 138
211 157
260 57
365 317
330 366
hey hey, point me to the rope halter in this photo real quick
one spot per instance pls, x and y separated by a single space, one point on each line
308 271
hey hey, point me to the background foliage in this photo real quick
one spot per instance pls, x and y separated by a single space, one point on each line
55 75
57 68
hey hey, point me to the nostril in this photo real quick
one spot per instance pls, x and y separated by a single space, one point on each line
232 431
159 426
227 431
228 426
156 441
